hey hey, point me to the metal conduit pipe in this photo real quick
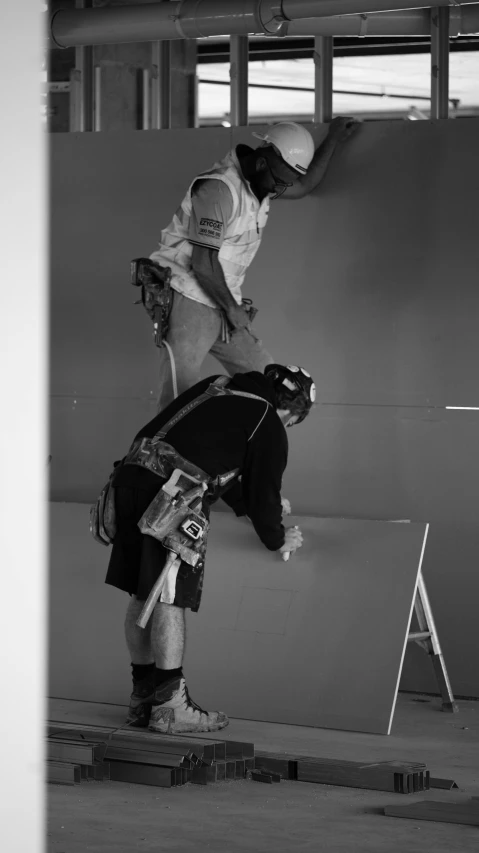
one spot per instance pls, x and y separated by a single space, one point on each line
293 10
404 22
410 22
115 24
164 21
236 17
198 19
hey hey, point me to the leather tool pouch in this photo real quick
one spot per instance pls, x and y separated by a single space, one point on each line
102 515
178 525
156 293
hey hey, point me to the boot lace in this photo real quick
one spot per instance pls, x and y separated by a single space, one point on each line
191 704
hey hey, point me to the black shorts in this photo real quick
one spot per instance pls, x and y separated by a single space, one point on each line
136 560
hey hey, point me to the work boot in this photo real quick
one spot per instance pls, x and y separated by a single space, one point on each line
140 702
173 711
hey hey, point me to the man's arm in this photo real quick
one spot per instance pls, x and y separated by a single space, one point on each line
212 209
209 272
340 129
262 476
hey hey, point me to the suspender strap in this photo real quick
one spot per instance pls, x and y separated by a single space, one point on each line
216 389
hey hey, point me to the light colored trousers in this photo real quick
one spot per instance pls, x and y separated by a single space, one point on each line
194 331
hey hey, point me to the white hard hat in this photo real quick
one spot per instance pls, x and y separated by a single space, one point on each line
294 143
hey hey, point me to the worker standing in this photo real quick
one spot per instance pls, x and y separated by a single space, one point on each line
216 431
213 238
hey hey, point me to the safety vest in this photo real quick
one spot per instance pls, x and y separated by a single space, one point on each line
242 234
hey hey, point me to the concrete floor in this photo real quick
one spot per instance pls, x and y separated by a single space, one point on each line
232 817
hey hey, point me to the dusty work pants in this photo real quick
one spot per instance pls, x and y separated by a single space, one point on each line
194 331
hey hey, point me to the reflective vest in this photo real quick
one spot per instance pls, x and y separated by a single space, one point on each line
242 234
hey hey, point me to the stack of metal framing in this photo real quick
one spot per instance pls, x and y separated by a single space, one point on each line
142 757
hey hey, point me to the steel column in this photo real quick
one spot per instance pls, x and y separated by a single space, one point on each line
323 78
161 86
239 54
440 62
81 78
145 99
97 98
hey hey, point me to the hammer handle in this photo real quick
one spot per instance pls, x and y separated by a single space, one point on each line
156 590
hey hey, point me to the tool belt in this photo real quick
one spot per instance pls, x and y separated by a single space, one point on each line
156 294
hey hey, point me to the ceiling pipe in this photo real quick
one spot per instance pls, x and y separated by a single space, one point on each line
407 22
294 10
177 19
180 19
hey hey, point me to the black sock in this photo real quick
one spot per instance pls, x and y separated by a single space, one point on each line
140 671
164 675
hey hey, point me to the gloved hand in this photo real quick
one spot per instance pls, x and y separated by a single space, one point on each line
293 539
342 127
286 506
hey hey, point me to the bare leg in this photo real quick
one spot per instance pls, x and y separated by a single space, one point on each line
138 639
168 630
162 641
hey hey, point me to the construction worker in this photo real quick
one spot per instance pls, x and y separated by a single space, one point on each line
213 238
227 432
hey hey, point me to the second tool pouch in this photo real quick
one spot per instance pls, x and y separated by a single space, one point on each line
156 293
102 515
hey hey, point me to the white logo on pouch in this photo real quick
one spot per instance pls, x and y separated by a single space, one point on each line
210 228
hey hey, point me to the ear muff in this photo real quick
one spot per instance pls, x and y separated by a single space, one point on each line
297 381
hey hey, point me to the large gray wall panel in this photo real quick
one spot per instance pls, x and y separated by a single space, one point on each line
259 618
371 283
371 279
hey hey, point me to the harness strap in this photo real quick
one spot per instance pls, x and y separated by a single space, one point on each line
216 389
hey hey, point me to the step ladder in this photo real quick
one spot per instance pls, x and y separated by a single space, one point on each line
427 638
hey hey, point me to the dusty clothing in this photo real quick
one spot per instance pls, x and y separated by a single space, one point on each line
219 211
222 434
194 331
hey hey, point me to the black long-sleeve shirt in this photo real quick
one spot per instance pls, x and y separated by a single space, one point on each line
230 432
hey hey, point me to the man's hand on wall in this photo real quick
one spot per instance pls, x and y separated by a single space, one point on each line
286 506
237 317
342 127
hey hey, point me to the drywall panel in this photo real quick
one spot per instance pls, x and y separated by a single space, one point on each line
110 196
88 434
334 620
370 281
317 641
386 462
365 281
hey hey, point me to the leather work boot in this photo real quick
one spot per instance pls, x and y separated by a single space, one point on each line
174 712
140 702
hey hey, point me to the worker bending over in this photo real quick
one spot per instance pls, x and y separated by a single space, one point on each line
215 432
213 238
